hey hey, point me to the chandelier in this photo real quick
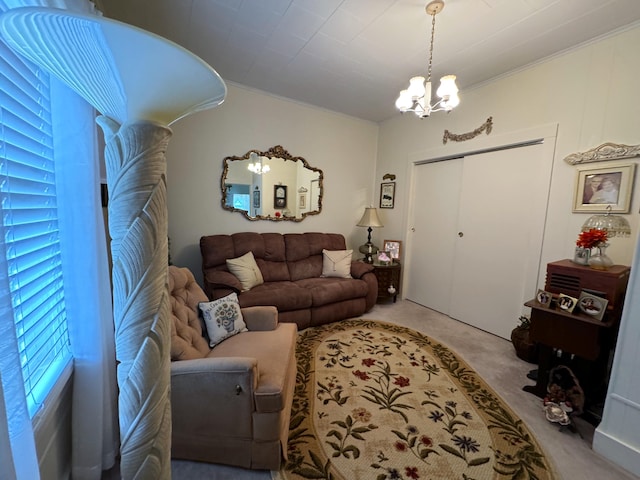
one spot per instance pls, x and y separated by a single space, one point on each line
417 98
256 165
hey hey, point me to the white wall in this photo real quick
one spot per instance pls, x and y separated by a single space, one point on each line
344 148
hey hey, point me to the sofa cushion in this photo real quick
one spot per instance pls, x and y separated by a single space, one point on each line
284 296
223 318
331 290
246 269
336 263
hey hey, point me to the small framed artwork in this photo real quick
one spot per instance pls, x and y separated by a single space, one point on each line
598 188
387 194
566 303
544 298
256 198
393 247
279 196
592 305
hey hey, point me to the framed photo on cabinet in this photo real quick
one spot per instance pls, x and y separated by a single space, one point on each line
566 303
592 305
544 298
387 194
598 188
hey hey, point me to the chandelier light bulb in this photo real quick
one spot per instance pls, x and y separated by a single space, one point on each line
416 87
447 86
404 102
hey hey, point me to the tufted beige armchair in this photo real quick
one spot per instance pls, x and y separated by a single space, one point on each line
230 404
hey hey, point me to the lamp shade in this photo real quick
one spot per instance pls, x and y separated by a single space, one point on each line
370 218
614 225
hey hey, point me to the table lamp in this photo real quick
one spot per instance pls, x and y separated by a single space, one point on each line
370 220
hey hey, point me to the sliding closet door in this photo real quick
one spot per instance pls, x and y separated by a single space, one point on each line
501 217
481 262
435 204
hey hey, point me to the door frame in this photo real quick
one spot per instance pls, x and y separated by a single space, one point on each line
547 133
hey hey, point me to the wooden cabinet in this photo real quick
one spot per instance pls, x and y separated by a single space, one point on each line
388 280
582 340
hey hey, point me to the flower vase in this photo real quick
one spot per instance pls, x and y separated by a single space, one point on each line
600 260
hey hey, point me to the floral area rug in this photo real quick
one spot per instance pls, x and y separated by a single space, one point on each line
380 401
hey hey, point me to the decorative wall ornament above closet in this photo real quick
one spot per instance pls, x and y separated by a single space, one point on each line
486 126
606 151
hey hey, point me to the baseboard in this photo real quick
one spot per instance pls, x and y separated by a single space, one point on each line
617 452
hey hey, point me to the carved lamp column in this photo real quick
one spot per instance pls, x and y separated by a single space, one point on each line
140 83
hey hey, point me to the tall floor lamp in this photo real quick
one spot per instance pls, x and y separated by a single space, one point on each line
130 77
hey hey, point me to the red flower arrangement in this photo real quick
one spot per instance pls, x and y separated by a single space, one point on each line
592 238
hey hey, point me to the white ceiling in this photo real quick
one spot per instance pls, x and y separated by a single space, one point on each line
354 56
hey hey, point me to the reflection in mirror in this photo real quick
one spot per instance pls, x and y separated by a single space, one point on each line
271 185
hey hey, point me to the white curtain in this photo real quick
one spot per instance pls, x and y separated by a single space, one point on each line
87 286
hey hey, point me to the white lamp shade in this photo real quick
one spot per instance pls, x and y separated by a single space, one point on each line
126 73
404 101
416 87
452 102
447 86
370 218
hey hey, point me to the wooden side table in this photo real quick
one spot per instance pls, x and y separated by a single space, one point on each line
388 279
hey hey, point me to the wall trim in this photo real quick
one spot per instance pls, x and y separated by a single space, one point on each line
614 450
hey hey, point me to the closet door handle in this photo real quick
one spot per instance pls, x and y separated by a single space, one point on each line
460 234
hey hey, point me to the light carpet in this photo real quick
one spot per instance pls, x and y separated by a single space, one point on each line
375 400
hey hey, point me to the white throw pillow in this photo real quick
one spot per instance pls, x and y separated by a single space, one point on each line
336 263
223 318
247 271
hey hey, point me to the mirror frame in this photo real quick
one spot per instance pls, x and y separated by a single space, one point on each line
274 152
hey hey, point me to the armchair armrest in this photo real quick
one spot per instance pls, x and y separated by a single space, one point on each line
358 269
260 318
211 395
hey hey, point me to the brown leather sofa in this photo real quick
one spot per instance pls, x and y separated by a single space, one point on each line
230 404
291 265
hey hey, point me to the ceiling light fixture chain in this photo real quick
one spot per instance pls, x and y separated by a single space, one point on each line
433 33
417 97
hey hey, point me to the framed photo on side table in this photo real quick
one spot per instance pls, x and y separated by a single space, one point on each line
393 247
598 188
387 194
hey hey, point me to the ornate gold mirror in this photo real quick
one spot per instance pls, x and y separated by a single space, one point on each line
271 185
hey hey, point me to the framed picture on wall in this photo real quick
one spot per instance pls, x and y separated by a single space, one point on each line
387 194
279 196
598 188
256 198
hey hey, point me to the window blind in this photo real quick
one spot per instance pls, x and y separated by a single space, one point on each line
30 217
